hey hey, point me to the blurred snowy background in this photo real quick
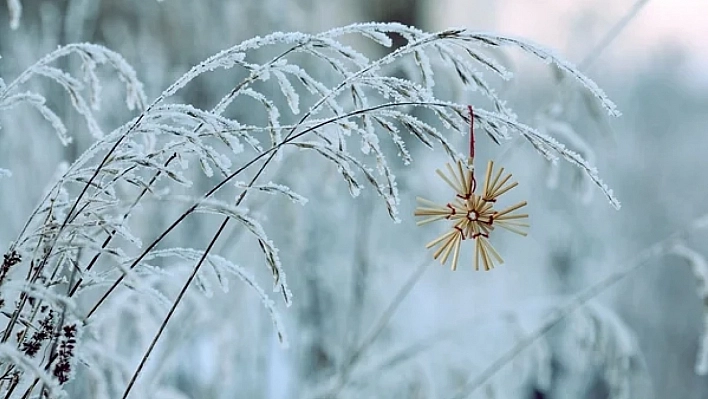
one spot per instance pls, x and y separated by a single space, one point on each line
373 317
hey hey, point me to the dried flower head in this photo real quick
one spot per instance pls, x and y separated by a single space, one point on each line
473 215
65 353
9 260
40 335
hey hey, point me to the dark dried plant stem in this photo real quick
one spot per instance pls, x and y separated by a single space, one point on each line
23 296
254 75
104 161
169 229
12 387
35 309
70 214
269 152
16 315
110 236
73 290
400 51
93 261
27 393
52 352
30 389
186 285
272 152
171 312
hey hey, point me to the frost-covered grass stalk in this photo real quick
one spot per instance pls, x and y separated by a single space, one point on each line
80 253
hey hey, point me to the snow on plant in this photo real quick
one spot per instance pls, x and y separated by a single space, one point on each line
78 251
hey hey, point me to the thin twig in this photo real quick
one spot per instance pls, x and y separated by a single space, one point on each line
581 299
104 161
270 152
611 35
360 270
125 216
379 326
386 316
172 310
410 351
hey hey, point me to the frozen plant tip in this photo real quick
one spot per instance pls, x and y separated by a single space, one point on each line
473 215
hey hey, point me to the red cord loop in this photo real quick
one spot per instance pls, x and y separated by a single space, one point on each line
475 235
452 209
471 111
462 233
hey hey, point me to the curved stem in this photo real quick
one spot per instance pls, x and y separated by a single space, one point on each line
172 310
110 236
197 267
379 327
581 299
218 109
270 152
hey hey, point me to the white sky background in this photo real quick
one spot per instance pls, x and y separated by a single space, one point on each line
574 27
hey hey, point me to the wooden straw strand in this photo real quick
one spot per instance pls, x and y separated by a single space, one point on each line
502 190
456 255
506 217
496 190
489 194
450 183
463 178
490 165
493 251
457 179
510 209
439 239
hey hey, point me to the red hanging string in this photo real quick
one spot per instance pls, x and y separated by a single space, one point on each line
473 183
469 107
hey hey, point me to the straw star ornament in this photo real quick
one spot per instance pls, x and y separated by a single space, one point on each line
473 216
